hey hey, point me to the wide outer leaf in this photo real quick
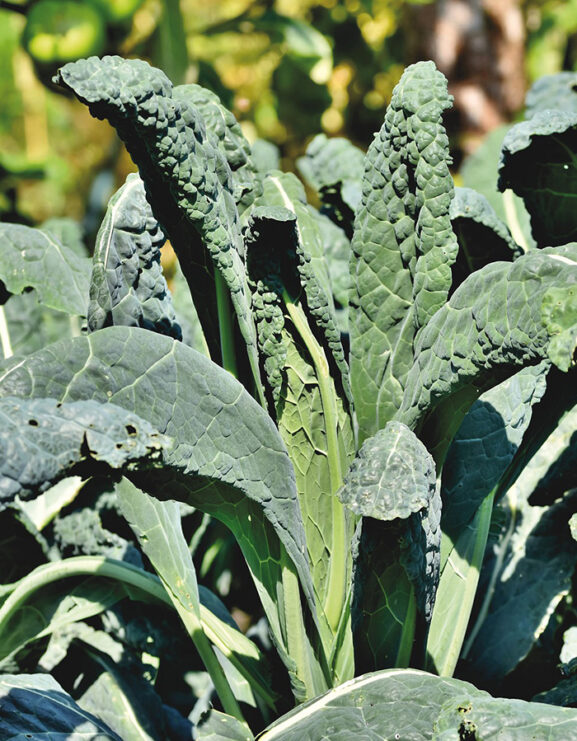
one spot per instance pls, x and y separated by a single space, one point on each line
403 246
552 91
36 706
31 258
43 440
187 178
128 286
537 162
409 705
228 458
489 329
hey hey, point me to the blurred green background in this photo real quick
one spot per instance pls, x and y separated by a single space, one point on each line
288 69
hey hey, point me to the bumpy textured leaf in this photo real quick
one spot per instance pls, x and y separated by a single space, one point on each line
396 565
302 358
334 167
31 258
482 236
552 91
229 459
187 179
411 705
403 246
485 444
221 123
490 327
392 476
128 287
538 163
337 249
36 706
43 440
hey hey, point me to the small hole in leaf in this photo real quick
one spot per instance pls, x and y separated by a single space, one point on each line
33 422
119 445
131 429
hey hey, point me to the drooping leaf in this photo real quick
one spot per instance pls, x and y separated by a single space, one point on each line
43 440
221 123
128 287
31 258
396 568
537 163
187 180
392 476
486 442
482 236
490 328
531 569
36 706
552 92
228 459
415 706
480 171
403 246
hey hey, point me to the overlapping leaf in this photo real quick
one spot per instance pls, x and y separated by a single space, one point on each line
490 327
403 246
128 287
43 440
187 180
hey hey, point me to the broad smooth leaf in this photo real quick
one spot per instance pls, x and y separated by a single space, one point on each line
36 706
410 705
552 91
403 246
32 258
44 440
228 459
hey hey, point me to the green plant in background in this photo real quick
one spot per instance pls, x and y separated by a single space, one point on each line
362 493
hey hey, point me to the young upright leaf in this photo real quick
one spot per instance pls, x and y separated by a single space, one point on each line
187 179
32 258
221 123
306 374
538 163
128 286
403 246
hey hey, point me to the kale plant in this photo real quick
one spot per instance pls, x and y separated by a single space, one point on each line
376 398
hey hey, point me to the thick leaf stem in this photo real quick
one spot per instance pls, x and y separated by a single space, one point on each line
5 335
454 603
336 591
226 639
225 325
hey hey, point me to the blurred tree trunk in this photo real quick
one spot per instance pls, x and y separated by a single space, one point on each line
479 46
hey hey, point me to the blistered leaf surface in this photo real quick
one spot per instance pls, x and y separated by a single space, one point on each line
403 246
